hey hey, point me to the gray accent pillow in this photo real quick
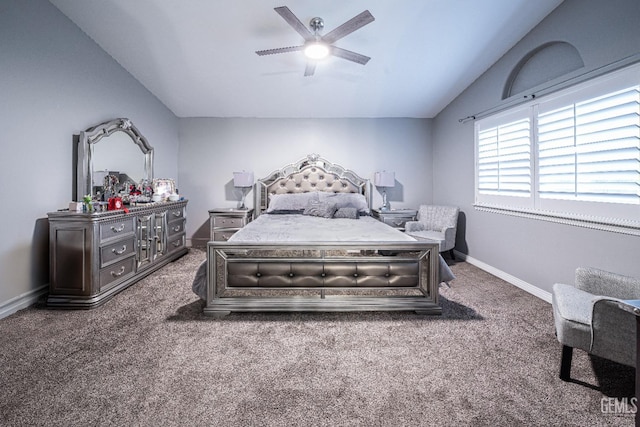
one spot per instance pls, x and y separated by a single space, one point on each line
346 200
321 209
349 213
290 202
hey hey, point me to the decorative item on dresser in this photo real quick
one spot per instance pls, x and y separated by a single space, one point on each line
93 256
395 217
224 222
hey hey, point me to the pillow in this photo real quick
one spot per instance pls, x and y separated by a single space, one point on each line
321 209
290 202
349 213
346 200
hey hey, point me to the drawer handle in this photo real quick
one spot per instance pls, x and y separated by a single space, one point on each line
177 243
121 251
176 213
225 237
176 228
397 223
117 230
118 273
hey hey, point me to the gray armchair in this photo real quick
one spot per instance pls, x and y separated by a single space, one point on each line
435 223
588 316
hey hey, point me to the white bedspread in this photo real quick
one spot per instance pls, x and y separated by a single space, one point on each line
306 228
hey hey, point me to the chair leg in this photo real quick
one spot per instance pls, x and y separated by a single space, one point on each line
565 364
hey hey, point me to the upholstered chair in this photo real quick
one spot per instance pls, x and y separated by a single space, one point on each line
588 316
435 223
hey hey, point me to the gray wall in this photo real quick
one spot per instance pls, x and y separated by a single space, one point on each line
55 82
536 252
212 149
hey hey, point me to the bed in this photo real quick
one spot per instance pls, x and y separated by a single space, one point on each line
312 247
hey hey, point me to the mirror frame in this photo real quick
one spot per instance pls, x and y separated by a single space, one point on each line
92 136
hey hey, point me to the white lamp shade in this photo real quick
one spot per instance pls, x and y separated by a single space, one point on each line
243 179
384 179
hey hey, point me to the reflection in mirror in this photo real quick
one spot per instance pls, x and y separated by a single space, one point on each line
112 156
118 151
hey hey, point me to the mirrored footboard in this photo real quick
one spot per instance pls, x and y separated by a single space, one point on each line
351 276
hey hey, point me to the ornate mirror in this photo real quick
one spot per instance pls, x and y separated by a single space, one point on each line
114 149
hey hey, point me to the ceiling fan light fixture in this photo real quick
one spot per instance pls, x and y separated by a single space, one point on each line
316 50
317 47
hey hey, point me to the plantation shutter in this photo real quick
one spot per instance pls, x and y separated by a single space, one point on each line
590 151
504 159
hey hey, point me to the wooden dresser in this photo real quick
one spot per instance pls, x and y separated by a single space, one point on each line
93 256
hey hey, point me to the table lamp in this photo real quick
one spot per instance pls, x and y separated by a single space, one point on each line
384 180
244 181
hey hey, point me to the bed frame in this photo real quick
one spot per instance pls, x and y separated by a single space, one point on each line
320 276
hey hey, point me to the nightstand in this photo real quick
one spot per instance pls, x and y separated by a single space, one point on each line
224 222
395 217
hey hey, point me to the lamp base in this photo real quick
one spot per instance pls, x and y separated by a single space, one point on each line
242 206
385 203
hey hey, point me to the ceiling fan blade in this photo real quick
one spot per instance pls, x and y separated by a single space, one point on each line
349 27
310 69
348 55
279 50
293 20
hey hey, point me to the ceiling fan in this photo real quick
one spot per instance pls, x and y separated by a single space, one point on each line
317 47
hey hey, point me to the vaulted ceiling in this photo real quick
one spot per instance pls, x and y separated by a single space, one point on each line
198 56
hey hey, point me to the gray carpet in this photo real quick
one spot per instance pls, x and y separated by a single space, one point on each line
148 357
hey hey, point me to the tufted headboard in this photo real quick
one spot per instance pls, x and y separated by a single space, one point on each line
312 173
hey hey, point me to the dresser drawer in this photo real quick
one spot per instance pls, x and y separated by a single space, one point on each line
115 273
112 230
116 251
176 227
222 236
175 213
176 242
228 222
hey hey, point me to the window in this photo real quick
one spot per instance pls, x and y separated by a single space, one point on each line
504 158
574 154
504 161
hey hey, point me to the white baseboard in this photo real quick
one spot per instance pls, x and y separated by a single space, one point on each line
528 287
22 301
